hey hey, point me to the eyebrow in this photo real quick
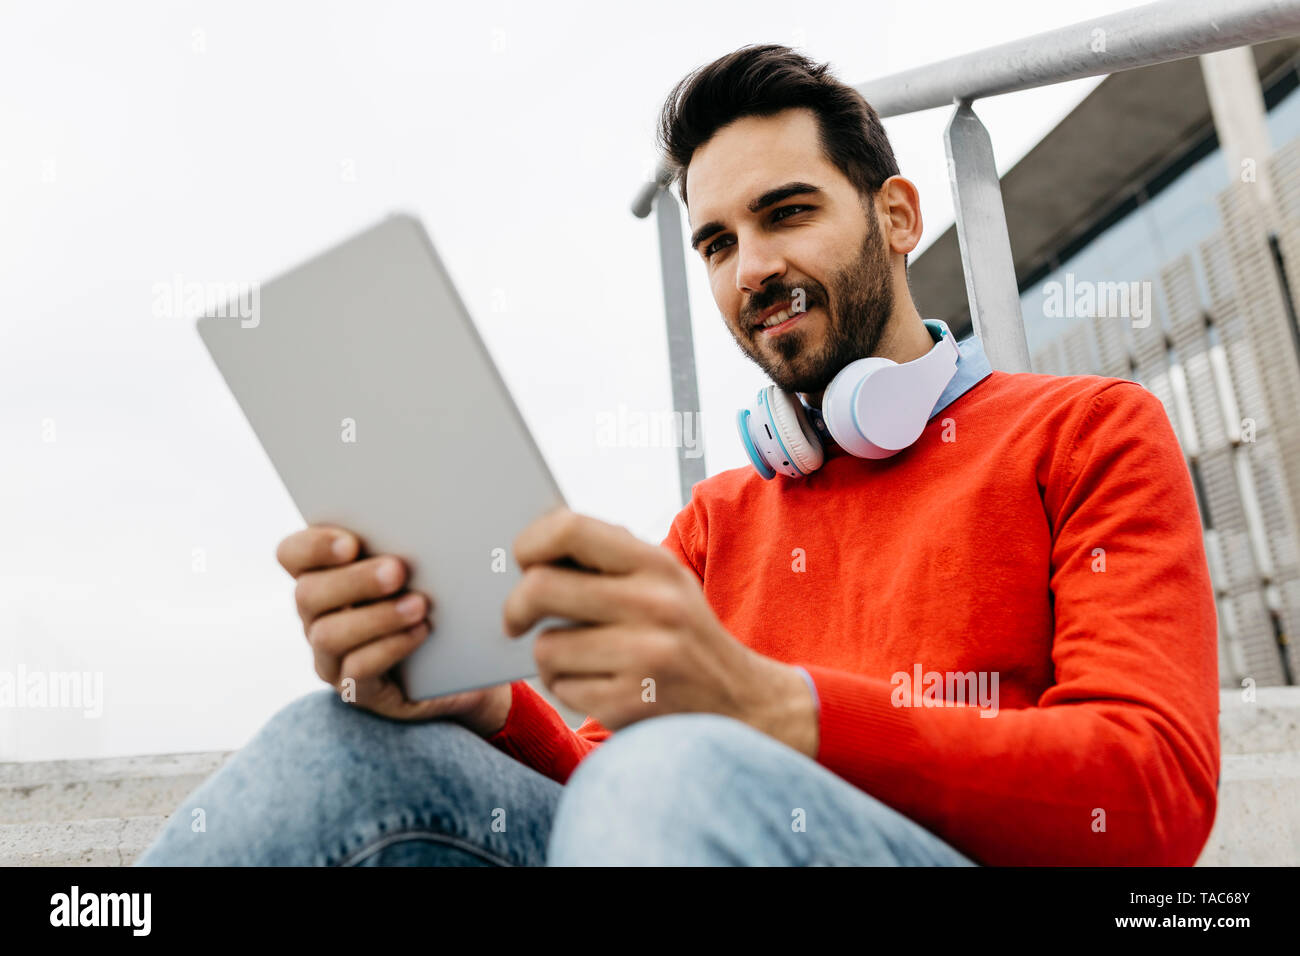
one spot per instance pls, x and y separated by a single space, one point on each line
768 198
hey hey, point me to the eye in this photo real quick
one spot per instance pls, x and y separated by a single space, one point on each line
709 250
790 209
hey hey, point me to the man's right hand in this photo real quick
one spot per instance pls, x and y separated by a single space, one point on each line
360 622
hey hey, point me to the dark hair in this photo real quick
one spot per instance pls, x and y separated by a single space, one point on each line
760 80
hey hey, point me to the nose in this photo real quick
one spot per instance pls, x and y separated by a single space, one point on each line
758 264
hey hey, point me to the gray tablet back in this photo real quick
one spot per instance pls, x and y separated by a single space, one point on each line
366 382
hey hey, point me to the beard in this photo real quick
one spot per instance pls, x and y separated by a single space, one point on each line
857 307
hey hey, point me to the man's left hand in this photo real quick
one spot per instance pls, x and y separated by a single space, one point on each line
650 644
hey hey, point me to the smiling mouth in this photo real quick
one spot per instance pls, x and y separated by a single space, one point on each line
778 322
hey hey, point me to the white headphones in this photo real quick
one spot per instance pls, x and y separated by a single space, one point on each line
873 408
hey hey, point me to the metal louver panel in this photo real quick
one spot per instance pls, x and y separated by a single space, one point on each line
1047 360
1220 356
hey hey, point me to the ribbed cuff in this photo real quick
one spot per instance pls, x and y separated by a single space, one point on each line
812 686
862 734
535 734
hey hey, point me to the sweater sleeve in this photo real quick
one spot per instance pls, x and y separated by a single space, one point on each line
536 735
1117 764
534 732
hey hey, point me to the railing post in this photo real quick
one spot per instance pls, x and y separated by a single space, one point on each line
986 260
681 343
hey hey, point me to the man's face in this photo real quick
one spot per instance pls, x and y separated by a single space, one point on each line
762 243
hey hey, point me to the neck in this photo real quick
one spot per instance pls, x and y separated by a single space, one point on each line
905 339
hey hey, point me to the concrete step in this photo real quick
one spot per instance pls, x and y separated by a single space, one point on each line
1268 724
1258 817
114 841
60 790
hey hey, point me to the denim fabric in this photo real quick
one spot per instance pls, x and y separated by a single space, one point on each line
326 783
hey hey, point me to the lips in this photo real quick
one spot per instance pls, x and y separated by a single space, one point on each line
769 312
780 326
774 314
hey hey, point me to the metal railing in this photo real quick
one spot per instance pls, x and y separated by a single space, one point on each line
1143 36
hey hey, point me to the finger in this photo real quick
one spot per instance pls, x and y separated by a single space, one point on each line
594 544
578 595
378 656
378 695
319 592
327 667
603 694
598 651
318 546
422 709
342 632
446 705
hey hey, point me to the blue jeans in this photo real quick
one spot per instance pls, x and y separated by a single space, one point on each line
327 783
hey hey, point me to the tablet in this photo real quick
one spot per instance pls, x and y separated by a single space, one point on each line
366 382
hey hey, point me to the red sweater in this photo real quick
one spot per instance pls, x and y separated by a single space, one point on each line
1053 540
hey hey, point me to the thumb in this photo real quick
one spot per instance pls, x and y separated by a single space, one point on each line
427 709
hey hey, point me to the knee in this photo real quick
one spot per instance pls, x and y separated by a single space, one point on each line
317 767
324 741
314 716
665 752
311 723
661 776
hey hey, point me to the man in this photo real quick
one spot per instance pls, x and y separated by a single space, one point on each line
996 647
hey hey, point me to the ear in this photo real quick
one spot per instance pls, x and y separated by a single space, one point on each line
902 214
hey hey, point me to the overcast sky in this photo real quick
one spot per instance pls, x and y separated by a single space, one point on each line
228 141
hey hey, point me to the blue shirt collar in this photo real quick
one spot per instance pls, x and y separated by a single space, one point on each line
972 368
972 365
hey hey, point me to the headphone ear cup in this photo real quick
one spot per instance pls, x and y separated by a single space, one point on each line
797 436
841 413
